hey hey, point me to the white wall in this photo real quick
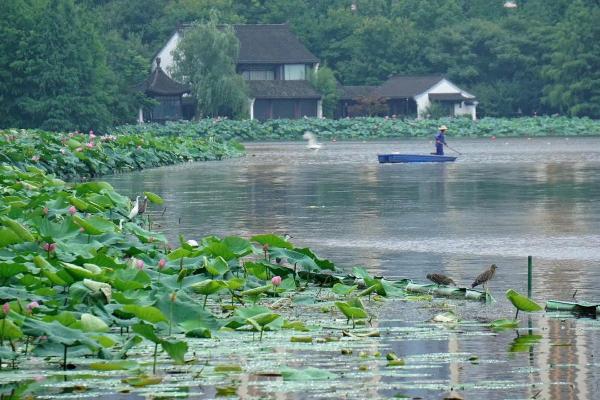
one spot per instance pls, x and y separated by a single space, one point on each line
166 54
445 86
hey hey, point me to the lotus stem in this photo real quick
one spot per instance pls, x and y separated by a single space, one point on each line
517 314
155 353
205 300
261 333
65 357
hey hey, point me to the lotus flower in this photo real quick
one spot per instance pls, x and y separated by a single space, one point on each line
162 263
139 264
45 210
6 308
32 305
192 243
72 210
89 145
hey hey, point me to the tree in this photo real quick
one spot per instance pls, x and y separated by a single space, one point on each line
326 84
62 71
573 76
205 59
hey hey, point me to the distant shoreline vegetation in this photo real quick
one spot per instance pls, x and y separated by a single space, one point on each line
370 128
78 155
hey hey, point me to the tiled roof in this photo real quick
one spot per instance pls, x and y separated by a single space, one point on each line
273 43
406 86
160 83
282 90
449 96
354 92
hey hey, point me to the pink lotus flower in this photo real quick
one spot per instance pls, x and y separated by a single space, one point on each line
276 280
89 145
32 305
72 210
6 308
139 264
162 263
49 247
92 135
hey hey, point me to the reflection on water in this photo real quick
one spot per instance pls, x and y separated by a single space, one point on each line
500 202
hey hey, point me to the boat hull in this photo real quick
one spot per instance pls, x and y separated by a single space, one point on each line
413 158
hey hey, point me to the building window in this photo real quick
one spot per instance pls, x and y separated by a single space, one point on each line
259 75
295 72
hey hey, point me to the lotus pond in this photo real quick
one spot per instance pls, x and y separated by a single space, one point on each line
136 318
501 201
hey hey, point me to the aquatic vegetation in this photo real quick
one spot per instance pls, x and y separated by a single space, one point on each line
77 281
76 155
370 128
522 303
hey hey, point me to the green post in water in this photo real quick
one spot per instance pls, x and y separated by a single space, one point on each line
529 268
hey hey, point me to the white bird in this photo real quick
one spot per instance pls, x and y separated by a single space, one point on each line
312 141
136 207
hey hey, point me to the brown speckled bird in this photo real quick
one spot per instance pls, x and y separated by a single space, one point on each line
440 279
485 276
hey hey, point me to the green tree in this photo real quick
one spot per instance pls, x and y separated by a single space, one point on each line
326 84
573 74
64 81
205 59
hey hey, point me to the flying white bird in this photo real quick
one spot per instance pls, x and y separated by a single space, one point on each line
312 141
136 207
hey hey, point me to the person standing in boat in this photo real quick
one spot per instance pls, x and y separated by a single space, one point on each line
440 140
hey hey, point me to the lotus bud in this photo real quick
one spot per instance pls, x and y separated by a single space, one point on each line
6 308
162 263
45 210
49 247
139 264
89 145
276 280
72 210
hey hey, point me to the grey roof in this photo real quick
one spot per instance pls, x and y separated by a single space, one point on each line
272 43
400 87
282 90
355 92
159 83
449 96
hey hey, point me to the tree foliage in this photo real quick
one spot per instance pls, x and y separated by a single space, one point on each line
326 84
73 63
205 59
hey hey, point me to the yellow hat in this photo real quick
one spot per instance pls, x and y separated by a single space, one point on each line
443 128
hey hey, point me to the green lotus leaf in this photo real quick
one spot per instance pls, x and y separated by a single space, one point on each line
521 302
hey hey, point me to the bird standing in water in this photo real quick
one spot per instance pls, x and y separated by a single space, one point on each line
485 276
136 207
440 279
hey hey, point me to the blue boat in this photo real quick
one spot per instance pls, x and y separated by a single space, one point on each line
413 158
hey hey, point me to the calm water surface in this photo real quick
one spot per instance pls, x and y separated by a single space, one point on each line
500 202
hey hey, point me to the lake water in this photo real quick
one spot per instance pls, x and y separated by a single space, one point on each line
501 201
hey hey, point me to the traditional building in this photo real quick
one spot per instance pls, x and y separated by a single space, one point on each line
410 96
168 93
275 64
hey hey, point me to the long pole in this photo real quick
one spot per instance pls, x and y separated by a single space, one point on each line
456 151
529 275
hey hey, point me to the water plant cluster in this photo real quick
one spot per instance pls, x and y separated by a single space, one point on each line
79 277
75 155
371 128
